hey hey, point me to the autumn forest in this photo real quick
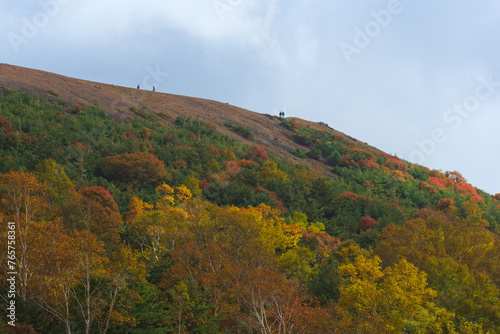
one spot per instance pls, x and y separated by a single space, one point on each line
158 224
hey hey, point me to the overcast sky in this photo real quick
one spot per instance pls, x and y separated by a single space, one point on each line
419 79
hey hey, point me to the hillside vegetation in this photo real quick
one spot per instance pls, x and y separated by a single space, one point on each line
157 222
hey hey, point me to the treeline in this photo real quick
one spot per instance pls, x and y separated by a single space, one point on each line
158 225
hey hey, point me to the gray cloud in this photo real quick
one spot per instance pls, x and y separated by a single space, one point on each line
265 55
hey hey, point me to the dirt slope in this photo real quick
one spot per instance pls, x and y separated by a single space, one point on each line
117 101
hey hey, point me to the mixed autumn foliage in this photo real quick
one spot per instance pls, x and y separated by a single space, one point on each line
159 225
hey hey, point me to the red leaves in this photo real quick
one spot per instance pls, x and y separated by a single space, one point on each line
358 157
367 223
169 137
146 146
438 182
100 196
349 196
131 135
466 189
355 198
457 177
5 126
135 167
395 163
146 133
214 150
256 153
369 163
80 145
445 203
427 187
273 196
244 163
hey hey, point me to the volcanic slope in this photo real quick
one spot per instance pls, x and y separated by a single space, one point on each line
118 102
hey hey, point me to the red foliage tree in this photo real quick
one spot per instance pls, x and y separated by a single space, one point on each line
395 163
423 213
437 181
427 187
214 150
349 196
80 145
5 126
367 223
497 197
369 163
256 153
466 189
457 177
146 133
347 161
131 135
101 196
445 203
169 137
146 146
244 163
135 167
320 242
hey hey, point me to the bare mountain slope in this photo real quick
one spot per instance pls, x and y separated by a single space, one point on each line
117 101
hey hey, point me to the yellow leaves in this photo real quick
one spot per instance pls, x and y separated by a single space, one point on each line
474 213
136 208
395 296
269 172
157 231
182 194
164 189
170 196
180 295
54 176
292 233
363 269
407 286
193 184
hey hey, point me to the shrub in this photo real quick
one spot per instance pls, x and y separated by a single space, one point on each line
256 153
99 195
367 223
242 131
457 177
437 181
5 126
445 203
135 167
80 145
131 135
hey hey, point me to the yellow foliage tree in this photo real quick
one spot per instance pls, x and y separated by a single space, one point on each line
387 301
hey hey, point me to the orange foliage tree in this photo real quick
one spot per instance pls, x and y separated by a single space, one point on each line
23 202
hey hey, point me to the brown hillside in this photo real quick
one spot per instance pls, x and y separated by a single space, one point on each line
117 101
